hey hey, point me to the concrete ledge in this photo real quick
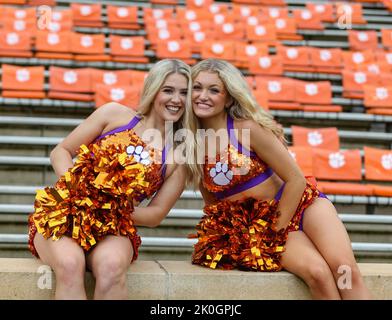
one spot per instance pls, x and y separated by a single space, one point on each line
180 280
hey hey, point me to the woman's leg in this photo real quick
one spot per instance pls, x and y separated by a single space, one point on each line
67 260
302 259
109 262
322 225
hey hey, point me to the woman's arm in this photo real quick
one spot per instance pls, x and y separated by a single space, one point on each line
272 151
164 200
208 197
93 126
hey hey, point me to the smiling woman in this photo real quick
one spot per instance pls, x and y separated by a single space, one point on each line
89 217
270 216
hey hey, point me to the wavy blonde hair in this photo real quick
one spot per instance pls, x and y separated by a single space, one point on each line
244 105
152 84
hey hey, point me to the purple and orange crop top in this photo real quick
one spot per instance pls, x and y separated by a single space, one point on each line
235 170
135 146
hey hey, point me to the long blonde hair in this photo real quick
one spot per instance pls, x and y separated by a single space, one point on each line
152 84
244 105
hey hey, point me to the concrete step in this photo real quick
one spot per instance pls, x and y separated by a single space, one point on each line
180 280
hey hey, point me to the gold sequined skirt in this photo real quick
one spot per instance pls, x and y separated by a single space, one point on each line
95 198
241 234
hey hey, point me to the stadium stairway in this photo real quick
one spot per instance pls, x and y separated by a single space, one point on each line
29 128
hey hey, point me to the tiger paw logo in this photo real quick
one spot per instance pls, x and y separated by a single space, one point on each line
220 174
139 154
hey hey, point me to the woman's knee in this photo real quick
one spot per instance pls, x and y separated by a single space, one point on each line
111 270
319 274
70 268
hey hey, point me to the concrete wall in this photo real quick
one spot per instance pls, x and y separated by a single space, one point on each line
180 280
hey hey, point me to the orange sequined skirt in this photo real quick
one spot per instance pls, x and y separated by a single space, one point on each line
241 234
135 240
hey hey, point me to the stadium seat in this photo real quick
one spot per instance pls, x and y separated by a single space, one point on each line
87 15
70 84
378 96
121 17
127 49
15 44
23 82
307 19
266 65
244 50
325 11
314 93
50 45
378 164
362 40
180 49
303 156
126 95
320 138
337 165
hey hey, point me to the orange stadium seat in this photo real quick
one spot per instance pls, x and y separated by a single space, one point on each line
326 60
127 49
381 190
303 157
110 78
122 17
218 49
286 29
157 13
156 36
228 31
354 82
175 49
49 45
295 59
276 88
362 40
87 15
345 188
314 93
386 38
70 84
263 32
378 96
23 82
184 14
243 12
89 47
320 138
15 44
325 11
378 164
307 19
266 65
215 8
60 21
356 59
337 165
244 50
126 95
261 99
